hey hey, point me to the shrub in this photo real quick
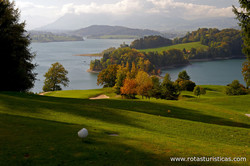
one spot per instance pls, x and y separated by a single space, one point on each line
199 91
187 85
235 88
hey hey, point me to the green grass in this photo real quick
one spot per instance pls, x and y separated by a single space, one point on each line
42 130
187 46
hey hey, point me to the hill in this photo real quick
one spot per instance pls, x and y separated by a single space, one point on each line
42 37
105 31
42 130
187 46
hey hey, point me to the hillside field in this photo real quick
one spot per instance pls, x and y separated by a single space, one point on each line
187 46
42 130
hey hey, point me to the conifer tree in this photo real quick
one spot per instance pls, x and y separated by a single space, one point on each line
16 65
244 22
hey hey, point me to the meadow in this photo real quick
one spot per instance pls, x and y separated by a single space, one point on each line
187 46
42 130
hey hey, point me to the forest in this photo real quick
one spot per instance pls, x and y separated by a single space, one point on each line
224 43
150 62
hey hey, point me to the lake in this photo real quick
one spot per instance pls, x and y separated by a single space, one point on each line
219 72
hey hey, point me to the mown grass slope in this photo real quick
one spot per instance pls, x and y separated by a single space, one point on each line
187 46
42 130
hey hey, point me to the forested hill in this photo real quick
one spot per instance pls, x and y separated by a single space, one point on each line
98 31
43 37
214 44
221 43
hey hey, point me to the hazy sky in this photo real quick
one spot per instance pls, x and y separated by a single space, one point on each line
41 12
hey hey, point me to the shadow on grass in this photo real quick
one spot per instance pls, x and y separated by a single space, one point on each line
188 96
175 112
110 111
79 109
42 142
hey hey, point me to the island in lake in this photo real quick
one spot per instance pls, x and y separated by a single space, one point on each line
154 53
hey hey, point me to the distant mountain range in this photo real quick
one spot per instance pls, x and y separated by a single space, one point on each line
105 31
139 21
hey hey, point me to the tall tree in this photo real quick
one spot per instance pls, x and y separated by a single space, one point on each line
156 89
244 22
16 59
55 76
120 77
144 84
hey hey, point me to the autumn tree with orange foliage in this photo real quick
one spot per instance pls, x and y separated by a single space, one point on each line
129 88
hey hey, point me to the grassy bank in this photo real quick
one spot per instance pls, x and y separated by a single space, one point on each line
187 46
42 130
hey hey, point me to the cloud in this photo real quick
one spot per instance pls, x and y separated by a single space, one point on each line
170 8
189 10
122 7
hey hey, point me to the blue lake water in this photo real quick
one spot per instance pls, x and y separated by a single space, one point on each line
63 52
219 72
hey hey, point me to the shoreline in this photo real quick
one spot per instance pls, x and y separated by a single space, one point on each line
216 59
174 66
93 71
92 55
179 65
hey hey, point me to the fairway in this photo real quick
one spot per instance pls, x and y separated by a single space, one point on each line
187 46
42 130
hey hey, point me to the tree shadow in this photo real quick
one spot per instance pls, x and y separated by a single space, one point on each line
57 144
175 112
38 106
110 110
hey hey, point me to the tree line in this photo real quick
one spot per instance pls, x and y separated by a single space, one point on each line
150 42
150 62
221 43
133 81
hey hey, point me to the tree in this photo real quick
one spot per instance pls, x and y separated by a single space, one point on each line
183 75
129 88
199 91
244 18
107 77
235 88
184 81
246 73
120 77
16 59
166 79
144 84
156 89
186 85
170 90
55 76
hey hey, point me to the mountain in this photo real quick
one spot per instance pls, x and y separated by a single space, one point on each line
97 31
141 21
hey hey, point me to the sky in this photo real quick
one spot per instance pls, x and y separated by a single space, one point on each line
38 13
